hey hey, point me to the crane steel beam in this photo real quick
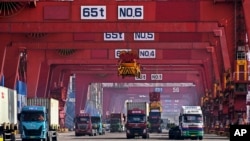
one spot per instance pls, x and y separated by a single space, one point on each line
95 27
246 9
109 45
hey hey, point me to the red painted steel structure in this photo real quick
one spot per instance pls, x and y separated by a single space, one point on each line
195 41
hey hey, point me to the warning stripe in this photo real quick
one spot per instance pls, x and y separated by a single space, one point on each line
128 71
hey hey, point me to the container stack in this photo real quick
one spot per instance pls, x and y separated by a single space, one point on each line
155 110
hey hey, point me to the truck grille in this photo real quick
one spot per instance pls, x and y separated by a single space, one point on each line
33 132
139 131
83 126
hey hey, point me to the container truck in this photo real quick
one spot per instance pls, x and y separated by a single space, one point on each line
83 125
155 122
136 124
8 113
117 122
191 122
39 120
97 124
155 110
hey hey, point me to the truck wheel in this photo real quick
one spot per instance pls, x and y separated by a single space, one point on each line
54 139
13 137
200 138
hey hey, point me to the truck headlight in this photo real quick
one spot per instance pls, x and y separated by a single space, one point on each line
128 131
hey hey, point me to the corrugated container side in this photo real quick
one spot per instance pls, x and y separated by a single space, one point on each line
4 117
54 111
52 105
21 101
39 102
140 105
12 111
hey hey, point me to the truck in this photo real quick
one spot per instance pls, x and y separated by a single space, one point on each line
136 123
191 122
97 124
155 110
155 122
8 114
83 125
39 120
117 122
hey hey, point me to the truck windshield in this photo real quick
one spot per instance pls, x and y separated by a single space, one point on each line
115 121
193 118
154 120
83 119
136 118
32 116
95 119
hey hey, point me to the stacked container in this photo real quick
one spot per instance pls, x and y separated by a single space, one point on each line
155 110
155 102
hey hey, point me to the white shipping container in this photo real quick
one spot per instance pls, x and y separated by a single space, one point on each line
52 106
4 117
12 106
8 108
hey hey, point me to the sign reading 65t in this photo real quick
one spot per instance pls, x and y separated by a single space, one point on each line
93 12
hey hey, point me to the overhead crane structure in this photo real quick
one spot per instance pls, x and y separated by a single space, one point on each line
205 42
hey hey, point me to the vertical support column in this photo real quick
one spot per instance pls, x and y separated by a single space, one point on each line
35 57
43 79
11 65
81 85
107 96
2 60
55 74
65 78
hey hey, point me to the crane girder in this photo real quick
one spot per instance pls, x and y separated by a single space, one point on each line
95 27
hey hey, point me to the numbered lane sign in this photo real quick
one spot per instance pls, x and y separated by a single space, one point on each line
147 53
156 76
144 36
130 12
143 77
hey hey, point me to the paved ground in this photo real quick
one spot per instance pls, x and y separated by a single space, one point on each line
69 136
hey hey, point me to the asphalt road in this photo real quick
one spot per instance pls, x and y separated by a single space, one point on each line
69 136
122 136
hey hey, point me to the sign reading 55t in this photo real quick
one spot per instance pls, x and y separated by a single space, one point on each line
93 12
130 12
